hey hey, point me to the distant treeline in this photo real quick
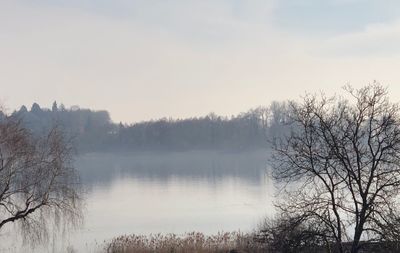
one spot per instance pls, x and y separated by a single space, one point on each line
94 130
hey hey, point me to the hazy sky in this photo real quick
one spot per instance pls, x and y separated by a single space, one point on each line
148 59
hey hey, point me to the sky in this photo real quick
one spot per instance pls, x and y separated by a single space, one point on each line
149 59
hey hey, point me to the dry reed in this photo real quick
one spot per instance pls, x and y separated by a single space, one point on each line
193 242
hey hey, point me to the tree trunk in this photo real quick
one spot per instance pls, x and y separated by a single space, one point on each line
357 236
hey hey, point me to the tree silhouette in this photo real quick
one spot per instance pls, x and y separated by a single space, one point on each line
37 180
342 157
54 107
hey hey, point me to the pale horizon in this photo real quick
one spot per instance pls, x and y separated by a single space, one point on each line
141 60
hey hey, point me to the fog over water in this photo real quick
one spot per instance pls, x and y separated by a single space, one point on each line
169 192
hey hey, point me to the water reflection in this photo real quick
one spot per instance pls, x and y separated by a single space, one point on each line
170 193
98 169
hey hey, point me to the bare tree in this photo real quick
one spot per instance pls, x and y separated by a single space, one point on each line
38 185
297 234
342 161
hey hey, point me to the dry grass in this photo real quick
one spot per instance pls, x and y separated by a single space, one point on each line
188 243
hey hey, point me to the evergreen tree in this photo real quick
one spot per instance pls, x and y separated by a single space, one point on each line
54 108
23 109
36 108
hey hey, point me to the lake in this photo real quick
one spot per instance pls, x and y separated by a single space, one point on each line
168 192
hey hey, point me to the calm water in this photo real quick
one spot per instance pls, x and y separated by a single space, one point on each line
169 193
